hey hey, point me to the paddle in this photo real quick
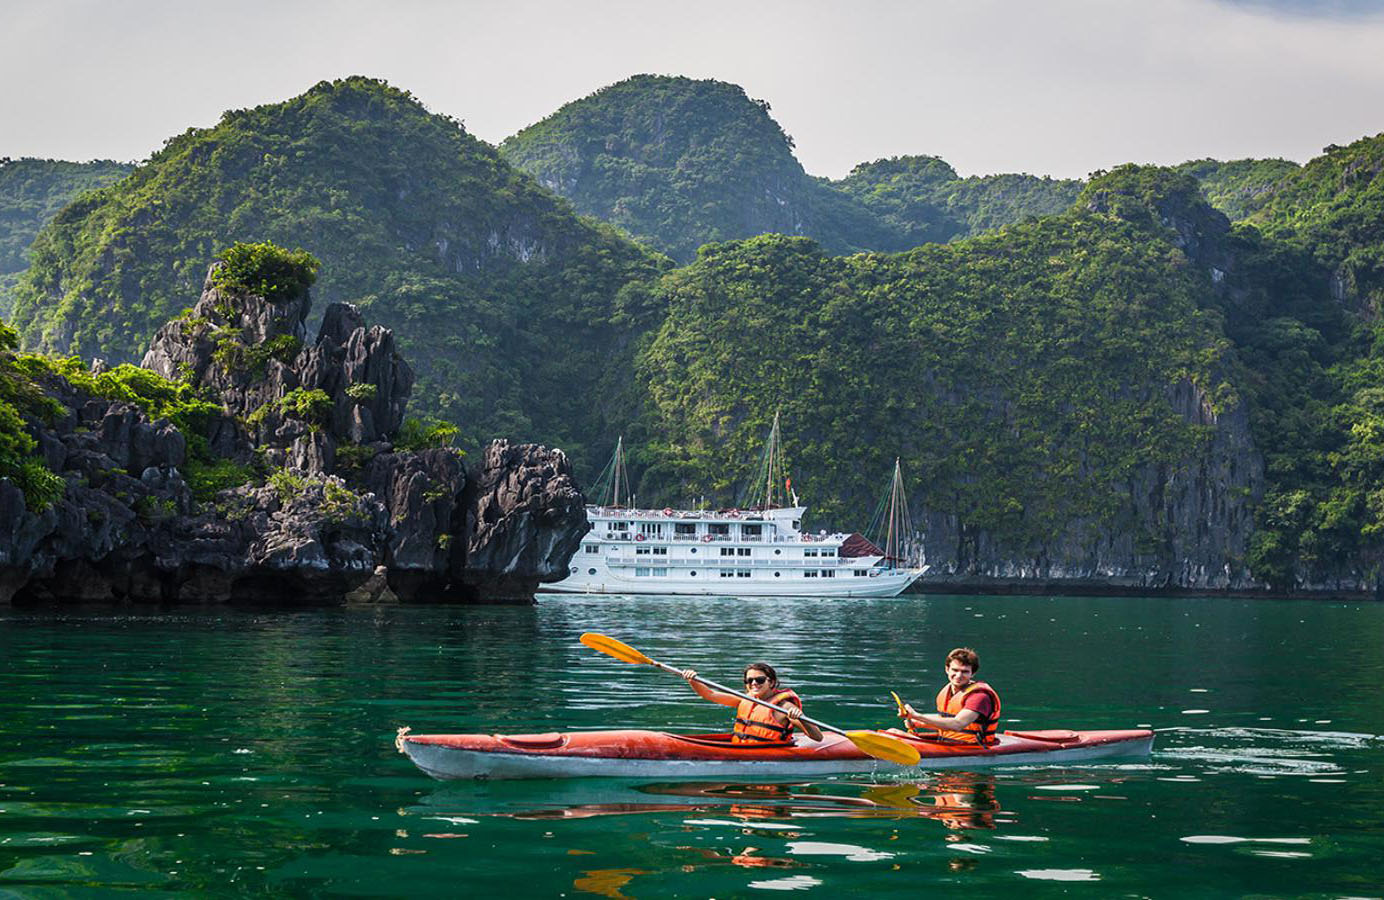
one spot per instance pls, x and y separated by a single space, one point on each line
880 746
906 720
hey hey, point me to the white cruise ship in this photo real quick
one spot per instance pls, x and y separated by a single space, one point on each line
760 552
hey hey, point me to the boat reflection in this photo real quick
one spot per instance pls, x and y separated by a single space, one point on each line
958 800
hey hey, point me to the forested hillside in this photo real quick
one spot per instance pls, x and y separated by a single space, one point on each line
1024 378
499 293
678 163
922 199
1120 385
31 193
1239 187
1312 332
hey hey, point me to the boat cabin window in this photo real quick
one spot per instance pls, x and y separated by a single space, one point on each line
742 573
797 524
593 548
727 551
718 528
686 530
828 573
751 532
859 573
810 551
810 573
619 526
742 551
828 551
652 529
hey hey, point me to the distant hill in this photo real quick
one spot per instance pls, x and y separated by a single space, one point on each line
1239 187
1333 207
483 275
922 199
31 192
678 163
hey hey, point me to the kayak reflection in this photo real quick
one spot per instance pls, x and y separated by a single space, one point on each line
959 800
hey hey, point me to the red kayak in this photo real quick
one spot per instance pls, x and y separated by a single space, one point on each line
640 754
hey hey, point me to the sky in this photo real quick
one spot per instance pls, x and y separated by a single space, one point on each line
1050 87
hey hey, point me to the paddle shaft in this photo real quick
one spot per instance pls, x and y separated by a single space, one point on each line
725 690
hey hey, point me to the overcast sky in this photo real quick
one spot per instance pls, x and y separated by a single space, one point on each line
1058 87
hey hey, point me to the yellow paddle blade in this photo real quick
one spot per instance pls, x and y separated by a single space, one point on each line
618 649
898 700
882 746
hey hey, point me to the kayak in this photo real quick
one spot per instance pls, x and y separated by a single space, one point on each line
633 753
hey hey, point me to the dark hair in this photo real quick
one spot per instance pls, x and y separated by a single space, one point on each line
763 667
966 656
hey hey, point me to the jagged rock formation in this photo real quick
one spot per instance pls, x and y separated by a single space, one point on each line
412 525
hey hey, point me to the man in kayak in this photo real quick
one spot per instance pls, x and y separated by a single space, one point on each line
752 721
967 710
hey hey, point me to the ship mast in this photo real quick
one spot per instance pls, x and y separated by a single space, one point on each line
894 535
763 492
621 477
613 484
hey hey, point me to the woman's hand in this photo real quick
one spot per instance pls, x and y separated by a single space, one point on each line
794 713
689 675
908 712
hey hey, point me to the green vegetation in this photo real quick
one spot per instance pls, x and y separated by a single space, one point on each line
361 393
155 395
923 200
426 433
1021 376
309 405
19 461
1020 358
266 269
678 162
1239 187
31 193
479 271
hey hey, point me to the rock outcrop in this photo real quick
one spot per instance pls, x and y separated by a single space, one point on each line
334 511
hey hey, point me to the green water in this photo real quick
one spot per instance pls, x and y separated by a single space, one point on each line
231 752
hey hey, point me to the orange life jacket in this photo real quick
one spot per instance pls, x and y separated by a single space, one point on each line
982 730
756 723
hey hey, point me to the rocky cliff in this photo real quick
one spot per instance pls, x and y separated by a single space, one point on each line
331 508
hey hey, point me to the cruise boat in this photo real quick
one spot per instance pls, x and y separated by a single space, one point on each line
754 552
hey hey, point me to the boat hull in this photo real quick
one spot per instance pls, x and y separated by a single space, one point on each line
881 586
655 754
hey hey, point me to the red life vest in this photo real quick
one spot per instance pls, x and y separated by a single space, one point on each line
982 730
757 723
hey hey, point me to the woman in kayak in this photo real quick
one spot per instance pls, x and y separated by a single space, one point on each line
968 711
755 723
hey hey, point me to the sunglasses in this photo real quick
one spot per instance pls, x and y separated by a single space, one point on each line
762 679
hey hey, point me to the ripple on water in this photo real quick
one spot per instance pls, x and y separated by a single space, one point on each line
791 883
1060 874
847 851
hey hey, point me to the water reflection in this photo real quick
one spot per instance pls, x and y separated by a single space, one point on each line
957 800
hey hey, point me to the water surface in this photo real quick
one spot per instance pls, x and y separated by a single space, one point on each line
229 752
